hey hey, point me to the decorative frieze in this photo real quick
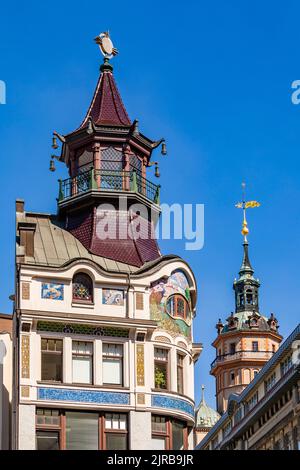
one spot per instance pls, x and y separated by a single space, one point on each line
83 396
25 356
162 339
80 329
140 365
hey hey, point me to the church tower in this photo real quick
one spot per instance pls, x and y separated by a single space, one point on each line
247 339
103 321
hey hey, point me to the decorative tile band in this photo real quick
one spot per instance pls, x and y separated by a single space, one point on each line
83 396
25 356
140 366
57 327
164 401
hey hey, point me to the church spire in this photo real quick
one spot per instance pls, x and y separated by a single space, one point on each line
246 287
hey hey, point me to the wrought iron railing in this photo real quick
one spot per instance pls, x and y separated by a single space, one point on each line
242 355
107 180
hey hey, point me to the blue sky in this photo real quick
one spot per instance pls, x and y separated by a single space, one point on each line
213 78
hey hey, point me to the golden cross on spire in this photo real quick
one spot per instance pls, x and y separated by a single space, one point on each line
245 205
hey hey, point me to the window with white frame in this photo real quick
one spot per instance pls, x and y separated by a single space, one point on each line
82 362
112 364
270 382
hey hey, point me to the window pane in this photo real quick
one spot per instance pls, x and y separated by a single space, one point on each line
177 434
158 443
115 350
160 375
81 431
161 354
47 440
82 369
112 371
116 441
51 366
159 424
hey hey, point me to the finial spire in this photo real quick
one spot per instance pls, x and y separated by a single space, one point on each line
245 205
202 394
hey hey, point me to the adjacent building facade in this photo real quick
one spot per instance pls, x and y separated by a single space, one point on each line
103 321
6 354
266 415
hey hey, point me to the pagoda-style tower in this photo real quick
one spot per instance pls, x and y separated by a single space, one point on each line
248 339
107 158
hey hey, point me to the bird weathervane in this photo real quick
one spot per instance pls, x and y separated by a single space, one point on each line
245 205
105 45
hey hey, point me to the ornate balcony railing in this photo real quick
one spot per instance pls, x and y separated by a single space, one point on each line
106 180
242 355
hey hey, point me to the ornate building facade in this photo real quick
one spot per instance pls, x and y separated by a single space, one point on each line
103 321
247 340
266 415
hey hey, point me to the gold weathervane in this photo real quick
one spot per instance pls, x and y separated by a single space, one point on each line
105 45
245 205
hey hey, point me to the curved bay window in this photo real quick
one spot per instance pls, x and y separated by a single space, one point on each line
82 288
177 306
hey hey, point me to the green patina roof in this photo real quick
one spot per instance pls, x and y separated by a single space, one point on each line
205 416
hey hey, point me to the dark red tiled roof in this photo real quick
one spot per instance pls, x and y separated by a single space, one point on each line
107 106
134 242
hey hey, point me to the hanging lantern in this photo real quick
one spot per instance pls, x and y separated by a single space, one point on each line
163 148
54 142
52 165
157 174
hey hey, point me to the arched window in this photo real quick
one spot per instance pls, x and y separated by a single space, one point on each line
82 288
177 306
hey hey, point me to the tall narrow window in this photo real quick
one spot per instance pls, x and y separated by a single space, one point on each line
255 346
115 431
82 288
161 368
82 362
232 348
52 359
112 364
180 373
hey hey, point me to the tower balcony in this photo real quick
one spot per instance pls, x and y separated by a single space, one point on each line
245 355
107 181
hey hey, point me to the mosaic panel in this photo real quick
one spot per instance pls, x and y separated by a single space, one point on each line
163 401
52 291
140 398
139 301
25 391
25 290
25 356
83 396
113 297
70 328
140 365
160 291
